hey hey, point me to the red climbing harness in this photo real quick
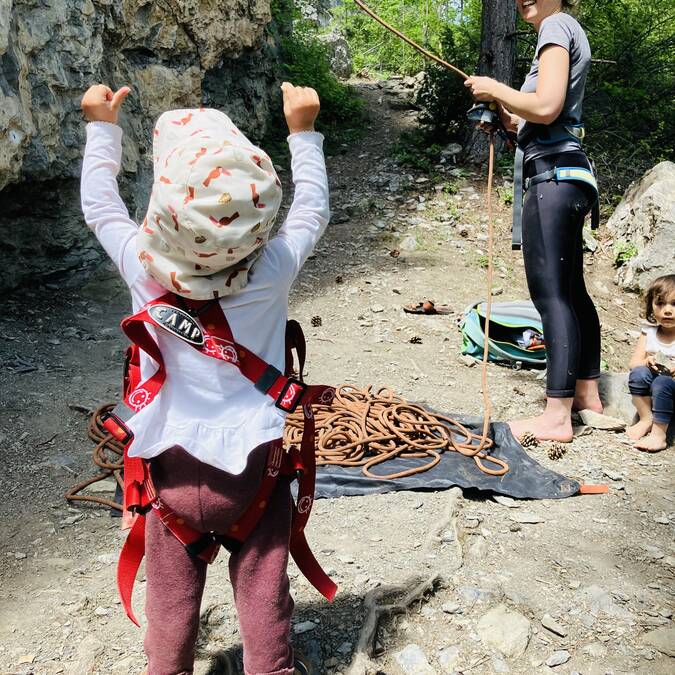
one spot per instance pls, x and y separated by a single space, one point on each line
214 338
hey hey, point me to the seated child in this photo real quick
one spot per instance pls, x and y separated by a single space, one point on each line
207 433
652 385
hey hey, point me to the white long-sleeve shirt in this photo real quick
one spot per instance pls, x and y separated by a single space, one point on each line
206 405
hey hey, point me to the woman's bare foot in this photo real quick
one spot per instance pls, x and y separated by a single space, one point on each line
655 441
587 396
554 424
544 428
640 429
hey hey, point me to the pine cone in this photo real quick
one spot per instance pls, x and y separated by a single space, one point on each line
529 440
557 451
316 321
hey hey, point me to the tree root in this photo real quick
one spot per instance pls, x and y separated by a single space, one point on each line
376 612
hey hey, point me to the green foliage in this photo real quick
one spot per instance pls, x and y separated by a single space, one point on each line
306 63
505 194
623 252
413 150
379 51
629 109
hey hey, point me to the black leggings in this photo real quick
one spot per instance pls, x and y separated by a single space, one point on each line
553 218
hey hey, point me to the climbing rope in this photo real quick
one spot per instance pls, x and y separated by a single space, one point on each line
487 403
366 428
107 455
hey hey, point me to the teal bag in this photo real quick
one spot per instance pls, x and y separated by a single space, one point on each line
516 333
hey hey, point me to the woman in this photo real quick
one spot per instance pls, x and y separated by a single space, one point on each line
546 113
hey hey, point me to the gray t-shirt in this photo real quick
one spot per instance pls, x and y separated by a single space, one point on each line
563 30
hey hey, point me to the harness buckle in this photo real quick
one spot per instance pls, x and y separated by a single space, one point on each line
290 395
116 427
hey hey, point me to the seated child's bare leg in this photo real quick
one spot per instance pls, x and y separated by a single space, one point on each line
655 440
587 396
643 405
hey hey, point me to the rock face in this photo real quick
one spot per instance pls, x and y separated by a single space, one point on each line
645 218
173 54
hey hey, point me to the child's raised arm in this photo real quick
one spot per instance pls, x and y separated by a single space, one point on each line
104 211
310 211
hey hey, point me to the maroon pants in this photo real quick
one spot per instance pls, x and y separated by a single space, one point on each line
210 500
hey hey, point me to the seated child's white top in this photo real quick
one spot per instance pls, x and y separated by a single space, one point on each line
206 405
654 345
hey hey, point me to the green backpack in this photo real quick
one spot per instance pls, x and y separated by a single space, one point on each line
516 333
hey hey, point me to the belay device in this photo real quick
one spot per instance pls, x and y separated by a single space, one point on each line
486 117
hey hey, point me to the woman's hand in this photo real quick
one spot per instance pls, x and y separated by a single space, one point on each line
301 107
482 88
101 104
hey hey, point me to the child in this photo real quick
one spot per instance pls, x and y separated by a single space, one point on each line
652 385
208 432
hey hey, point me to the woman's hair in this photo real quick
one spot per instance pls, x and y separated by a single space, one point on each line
568 4
659 289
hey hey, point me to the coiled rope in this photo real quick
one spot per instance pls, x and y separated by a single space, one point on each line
367 428
107 455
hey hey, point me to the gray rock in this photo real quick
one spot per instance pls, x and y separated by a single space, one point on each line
645 219
451 608
526 517
601 421
506 501
548 622
408 244
599 601
473 594
662 639
558 658
449 658
596 650
339 53
615 396
505 630
85 657
499 665
590 242
413 661
303 627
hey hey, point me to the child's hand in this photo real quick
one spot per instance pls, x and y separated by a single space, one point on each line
101 104
301 107
651 363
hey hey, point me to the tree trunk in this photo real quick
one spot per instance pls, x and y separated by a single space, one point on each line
497 59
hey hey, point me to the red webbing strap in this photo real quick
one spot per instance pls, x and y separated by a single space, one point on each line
251 366
130 560
185 534
299 548
241 529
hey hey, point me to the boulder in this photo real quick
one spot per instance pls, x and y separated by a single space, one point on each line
615 396
644 222
339 54
177 54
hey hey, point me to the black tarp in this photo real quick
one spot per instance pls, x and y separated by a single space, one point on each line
526 478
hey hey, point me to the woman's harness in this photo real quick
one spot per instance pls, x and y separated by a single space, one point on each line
203 325
548 135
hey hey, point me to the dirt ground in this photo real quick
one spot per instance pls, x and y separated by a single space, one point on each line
506 586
